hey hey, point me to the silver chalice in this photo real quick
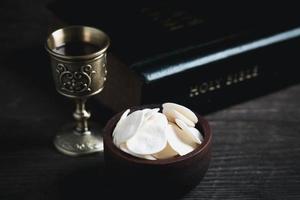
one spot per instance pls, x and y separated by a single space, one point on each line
78 61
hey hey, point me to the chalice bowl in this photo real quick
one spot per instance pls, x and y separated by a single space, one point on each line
78 61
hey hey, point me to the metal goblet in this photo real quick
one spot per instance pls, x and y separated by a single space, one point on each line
78 61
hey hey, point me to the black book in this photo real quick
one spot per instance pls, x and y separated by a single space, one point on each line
202 55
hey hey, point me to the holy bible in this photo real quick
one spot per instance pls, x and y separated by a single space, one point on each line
205 57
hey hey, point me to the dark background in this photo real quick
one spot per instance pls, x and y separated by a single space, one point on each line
256 152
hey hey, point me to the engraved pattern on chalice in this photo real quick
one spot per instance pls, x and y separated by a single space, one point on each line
75 82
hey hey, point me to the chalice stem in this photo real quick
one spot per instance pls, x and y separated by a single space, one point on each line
81 116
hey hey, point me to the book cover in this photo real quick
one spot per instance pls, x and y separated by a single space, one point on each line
205 57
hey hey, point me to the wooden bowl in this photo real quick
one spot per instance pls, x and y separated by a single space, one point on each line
171 177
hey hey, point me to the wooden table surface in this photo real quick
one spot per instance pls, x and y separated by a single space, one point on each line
256 150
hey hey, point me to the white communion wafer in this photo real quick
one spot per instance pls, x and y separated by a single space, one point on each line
181 146
124 115
197 135
181 109
178 115
124 148
190 133
150 112
167 152
128 127
151 137
172 114
169 114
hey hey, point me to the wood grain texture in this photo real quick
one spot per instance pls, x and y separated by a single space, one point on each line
256 151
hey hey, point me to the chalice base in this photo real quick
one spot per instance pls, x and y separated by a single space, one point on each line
72 143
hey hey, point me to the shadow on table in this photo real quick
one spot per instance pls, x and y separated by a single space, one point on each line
92 183
26 135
